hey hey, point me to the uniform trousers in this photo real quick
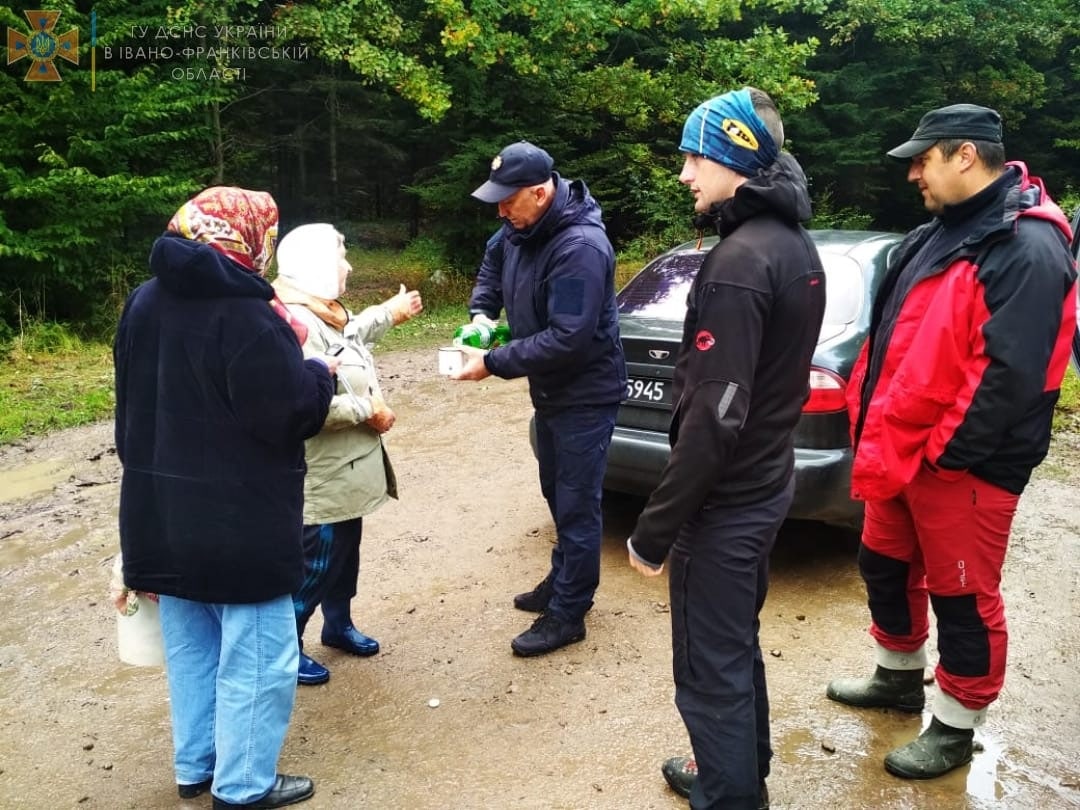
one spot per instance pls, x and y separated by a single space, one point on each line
571 450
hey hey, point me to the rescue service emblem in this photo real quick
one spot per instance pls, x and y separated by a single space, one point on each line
704 341
740 133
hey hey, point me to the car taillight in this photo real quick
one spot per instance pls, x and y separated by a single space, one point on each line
826 392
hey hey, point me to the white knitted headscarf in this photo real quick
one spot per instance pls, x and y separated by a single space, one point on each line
308 258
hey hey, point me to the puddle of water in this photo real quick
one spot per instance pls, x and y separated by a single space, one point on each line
32 479
996 777
23 547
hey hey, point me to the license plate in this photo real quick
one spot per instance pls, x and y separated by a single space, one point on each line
651 392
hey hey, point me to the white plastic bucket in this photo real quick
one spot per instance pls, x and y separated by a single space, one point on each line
138 635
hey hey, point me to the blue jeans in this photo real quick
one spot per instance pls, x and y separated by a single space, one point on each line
232 682
719 576
571 449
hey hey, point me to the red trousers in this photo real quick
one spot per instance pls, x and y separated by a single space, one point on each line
942 540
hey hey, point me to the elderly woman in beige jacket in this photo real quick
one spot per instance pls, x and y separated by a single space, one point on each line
348 471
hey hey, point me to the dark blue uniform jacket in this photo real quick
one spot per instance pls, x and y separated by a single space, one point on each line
556 281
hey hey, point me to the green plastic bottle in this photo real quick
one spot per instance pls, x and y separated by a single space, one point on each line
482 336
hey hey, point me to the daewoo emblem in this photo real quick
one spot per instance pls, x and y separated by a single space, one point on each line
658 354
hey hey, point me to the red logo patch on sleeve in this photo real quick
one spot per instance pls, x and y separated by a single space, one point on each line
704 341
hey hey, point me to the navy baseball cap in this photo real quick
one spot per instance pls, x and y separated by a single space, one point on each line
517 166
965 122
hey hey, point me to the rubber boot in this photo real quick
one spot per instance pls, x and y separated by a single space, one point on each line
337 615
933 753
900 689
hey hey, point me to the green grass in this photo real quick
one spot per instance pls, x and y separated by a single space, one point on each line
50 379
1067 413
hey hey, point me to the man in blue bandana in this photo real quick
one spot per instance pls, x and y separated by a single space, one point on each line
741 376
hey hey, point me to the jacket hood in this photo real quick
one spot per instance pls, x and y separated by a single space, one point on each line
1032 200
573 205
779 190
195 270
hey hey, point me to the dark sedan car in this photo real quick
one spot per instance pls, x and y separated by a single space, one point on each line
651 310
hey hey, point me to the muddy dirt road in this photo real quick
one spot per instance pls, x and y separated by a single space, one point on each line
586 727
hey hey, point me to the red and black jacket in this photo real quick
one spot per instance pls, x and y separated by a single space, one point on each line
970 338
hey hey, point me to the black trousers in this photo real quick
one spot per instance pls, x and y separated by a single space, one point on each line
719 577
331 568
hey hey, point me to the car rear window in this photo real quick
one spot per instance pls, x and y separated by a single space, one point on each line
660 289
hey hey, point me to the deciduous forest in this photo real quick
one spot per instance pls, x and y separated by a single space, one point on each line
382 115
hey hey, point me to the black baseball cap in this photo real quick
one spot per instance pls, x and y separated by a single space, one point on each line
517 166
968 122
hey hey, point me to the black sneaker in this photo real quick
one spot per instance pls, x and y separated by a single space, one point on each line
547 633
536 600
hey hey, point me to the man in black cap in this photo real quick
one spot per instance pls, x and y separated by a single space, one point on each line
951 403
555 278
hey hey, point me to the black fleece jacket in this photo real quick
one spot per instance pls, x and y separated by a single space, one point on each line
742 375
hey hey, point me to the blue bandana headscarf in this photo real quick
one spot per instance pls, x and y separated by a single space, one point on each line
726 129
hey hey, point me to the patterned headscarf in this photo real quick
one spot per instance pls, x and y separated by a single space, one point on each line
241 224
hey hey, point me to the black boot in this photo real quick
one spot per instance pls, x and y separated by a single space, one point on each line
536 600
548 633
900 689
933 753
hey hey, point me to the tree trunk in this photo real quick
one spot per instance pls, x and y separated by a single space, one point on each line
332 104
218 145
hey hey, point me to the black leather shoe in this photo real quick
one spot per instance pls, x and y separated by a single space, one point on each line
311 672
547 633
195 790
536 600
286 790
351 641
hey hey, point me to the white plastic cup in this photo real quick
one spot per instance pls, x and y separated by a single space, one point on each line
451 360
